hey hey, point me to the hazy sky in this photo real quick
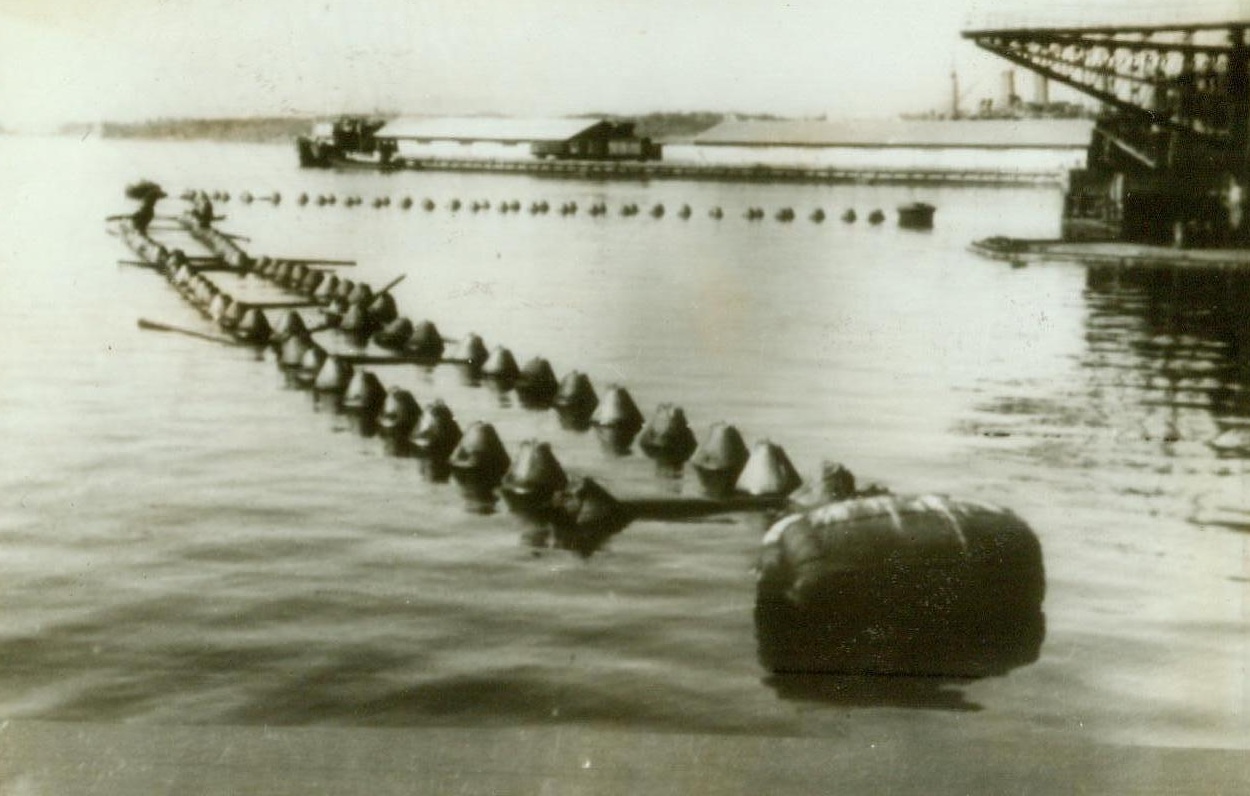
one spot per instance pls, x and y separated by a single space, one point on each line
86 60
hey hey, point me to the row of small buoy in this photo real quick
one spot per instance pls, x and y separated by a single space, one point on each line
723 462
543 207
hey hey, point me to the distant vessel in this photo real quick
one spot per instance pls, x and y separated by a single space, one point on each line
348 141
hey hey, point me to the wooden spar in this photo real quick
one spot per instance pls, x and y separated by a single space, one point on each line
153 326
313 261
689 508
392 283
278 305
393 359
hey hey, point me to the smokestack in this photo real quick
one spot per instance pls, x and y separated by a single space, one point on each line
1008 97
1041 89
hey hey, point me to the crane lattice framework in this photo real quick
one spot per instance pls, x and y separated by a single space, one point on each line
1177 137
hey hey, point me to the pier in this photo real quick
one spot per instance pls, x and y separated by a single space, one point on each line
1113 254
1169 160
633 170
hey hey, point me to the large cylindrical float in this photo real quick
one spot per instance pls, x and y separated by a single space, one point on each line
927 586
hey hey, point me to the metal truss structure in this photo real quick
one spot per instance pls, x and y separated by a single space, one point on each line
1179 94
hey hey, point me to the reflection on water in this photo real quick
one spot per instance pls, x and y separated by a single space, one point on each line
1159 406
1176 344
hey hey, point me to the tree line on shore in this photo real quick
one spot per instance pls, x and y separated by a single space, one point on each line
268 129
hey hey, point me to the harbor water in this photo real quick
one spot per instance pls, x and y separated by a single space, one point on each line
187 540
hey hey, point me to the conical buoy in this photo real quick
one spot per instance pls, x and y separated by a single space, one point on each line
667 436
360 293
345 289
309 366
289 325
849 216
437 433
500 366
768 472
480 457
534 477
334 376
335 310
720 459
426 342
817 216
356 322
231 315
253 327
833 483
617 420
295 275
576 398
217 307
327 290
400 414
472 352
536 385
585 516
311 282
394 335
293 350
364 395
382 309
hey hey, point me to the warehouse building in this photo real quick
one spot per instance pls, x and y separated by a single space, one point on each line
934 144
492 138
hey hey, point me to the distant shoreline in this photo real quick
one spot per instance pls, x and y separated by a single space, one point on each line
281 129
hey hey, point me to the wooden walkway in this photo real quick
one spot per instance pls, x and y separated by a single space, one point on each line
632 170
1126 255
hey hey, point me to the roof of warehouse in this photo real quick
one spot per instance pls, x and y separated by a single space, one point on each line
912 133
486 128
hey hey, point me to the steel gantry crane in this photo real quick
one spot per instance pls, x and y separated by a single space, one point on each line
1169 159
